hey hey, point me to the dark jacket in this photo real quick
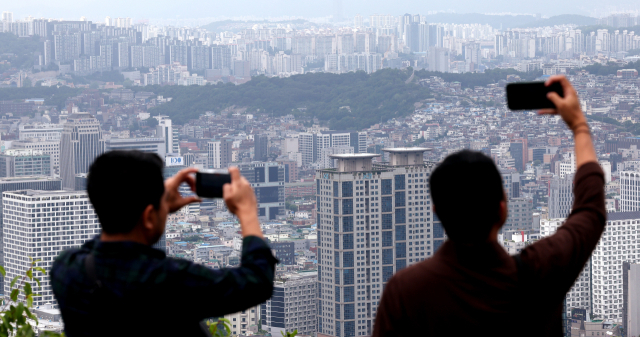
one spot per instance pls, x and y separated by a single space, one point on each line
479 289
145 293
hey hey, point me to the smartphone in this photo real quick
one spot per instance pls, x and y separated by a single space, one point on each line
531 95
209 182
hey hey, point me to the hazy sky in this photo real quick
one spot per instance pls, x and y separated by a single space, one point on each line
96 10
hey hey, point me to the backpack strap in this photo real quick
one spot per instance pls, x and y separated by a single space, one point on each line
90 267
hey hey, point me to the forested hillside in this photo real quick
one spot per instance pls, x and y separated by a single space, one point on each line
352 100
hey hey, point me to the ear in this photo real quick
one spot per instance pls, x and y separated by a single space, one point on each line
149 217
504 212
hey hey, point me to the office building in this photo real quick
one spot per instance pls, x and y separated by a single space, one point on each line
560 196
305 147
520 215
267 180
519 152
290 169
20 163
80 144
580 294
165 130
40 131
151 145
373 220
50 147
292 306
631 294
40 225
261 148
285 252
40 183
618 244
629 191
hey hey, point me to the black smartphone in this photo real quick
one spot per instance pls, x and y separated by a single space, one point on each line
531 95
209 183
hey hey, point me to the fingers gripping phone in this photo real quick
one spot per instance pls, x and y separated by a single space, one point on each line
209 183
531 95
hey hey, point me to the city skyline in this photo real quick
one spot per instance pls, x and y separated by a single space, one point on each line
253 9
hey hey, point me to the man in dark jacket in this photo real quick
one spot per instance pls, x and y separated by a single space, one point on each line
118 285
471 286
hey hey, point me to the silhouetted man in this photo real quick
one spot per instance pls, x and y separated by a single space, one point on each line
118 285
471 286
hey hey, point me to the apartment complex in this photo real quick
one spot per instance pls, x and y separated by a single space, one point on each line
80 144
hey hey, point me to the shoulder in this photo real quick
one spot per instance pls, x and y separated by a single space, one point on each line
415 276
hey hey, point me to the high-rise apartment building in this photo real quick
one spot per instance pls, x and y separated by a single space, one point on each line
267 180
599 288
560 196
81 143
214 155
629 191
20 163
49 147
165 130
619 243
151 145
261 147
520 214
41 224
373 220
292 306
41 183
310 145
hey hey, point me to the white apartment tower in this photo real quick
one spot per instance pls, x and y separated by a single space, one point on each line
373 220
80 144
166 131
629 191
40 225
599 287
620 243
214 155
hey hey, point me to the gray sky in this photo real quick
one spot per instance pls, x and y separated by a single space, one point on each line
96 10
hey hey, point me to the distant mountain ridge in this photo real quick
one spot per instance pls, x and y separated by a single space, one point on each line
510 21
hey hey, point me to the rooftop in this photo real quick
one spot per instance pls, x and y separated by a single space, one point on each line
406 149
353 155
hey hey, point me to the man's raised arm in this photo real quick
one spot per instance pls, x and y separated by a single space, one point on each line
561 257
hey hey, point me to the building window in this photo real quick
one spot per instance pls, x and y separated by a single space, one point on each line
400 215
349 313
438 231
348 294
387 239
400 199
387 221
347 241
347 259
401 232
347 189
399 181
336 206
387 204
387 256
347 224
401 264
385 187
347 206
387 272
335 189
348 276
401 249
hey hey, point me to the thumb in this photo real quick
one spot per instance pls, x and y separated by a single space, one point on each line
555 98
226 191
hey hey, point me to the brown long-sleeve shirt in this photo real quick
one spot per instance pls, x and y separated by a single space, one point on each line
479 289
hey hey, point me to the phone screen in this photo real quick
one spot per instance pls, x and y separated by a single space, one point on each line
531 95
209 185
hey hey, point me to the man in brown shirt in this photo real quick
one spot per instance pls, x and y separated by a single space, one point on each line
471 286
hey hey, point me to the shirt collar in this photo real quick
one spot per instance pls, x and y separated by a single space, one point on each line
121 248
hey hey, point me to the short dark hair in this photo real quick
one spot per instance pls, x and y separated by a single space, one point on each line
466 190
121 184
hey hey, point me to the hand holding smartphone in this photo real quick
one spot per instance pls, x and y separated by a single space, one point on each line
531 95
